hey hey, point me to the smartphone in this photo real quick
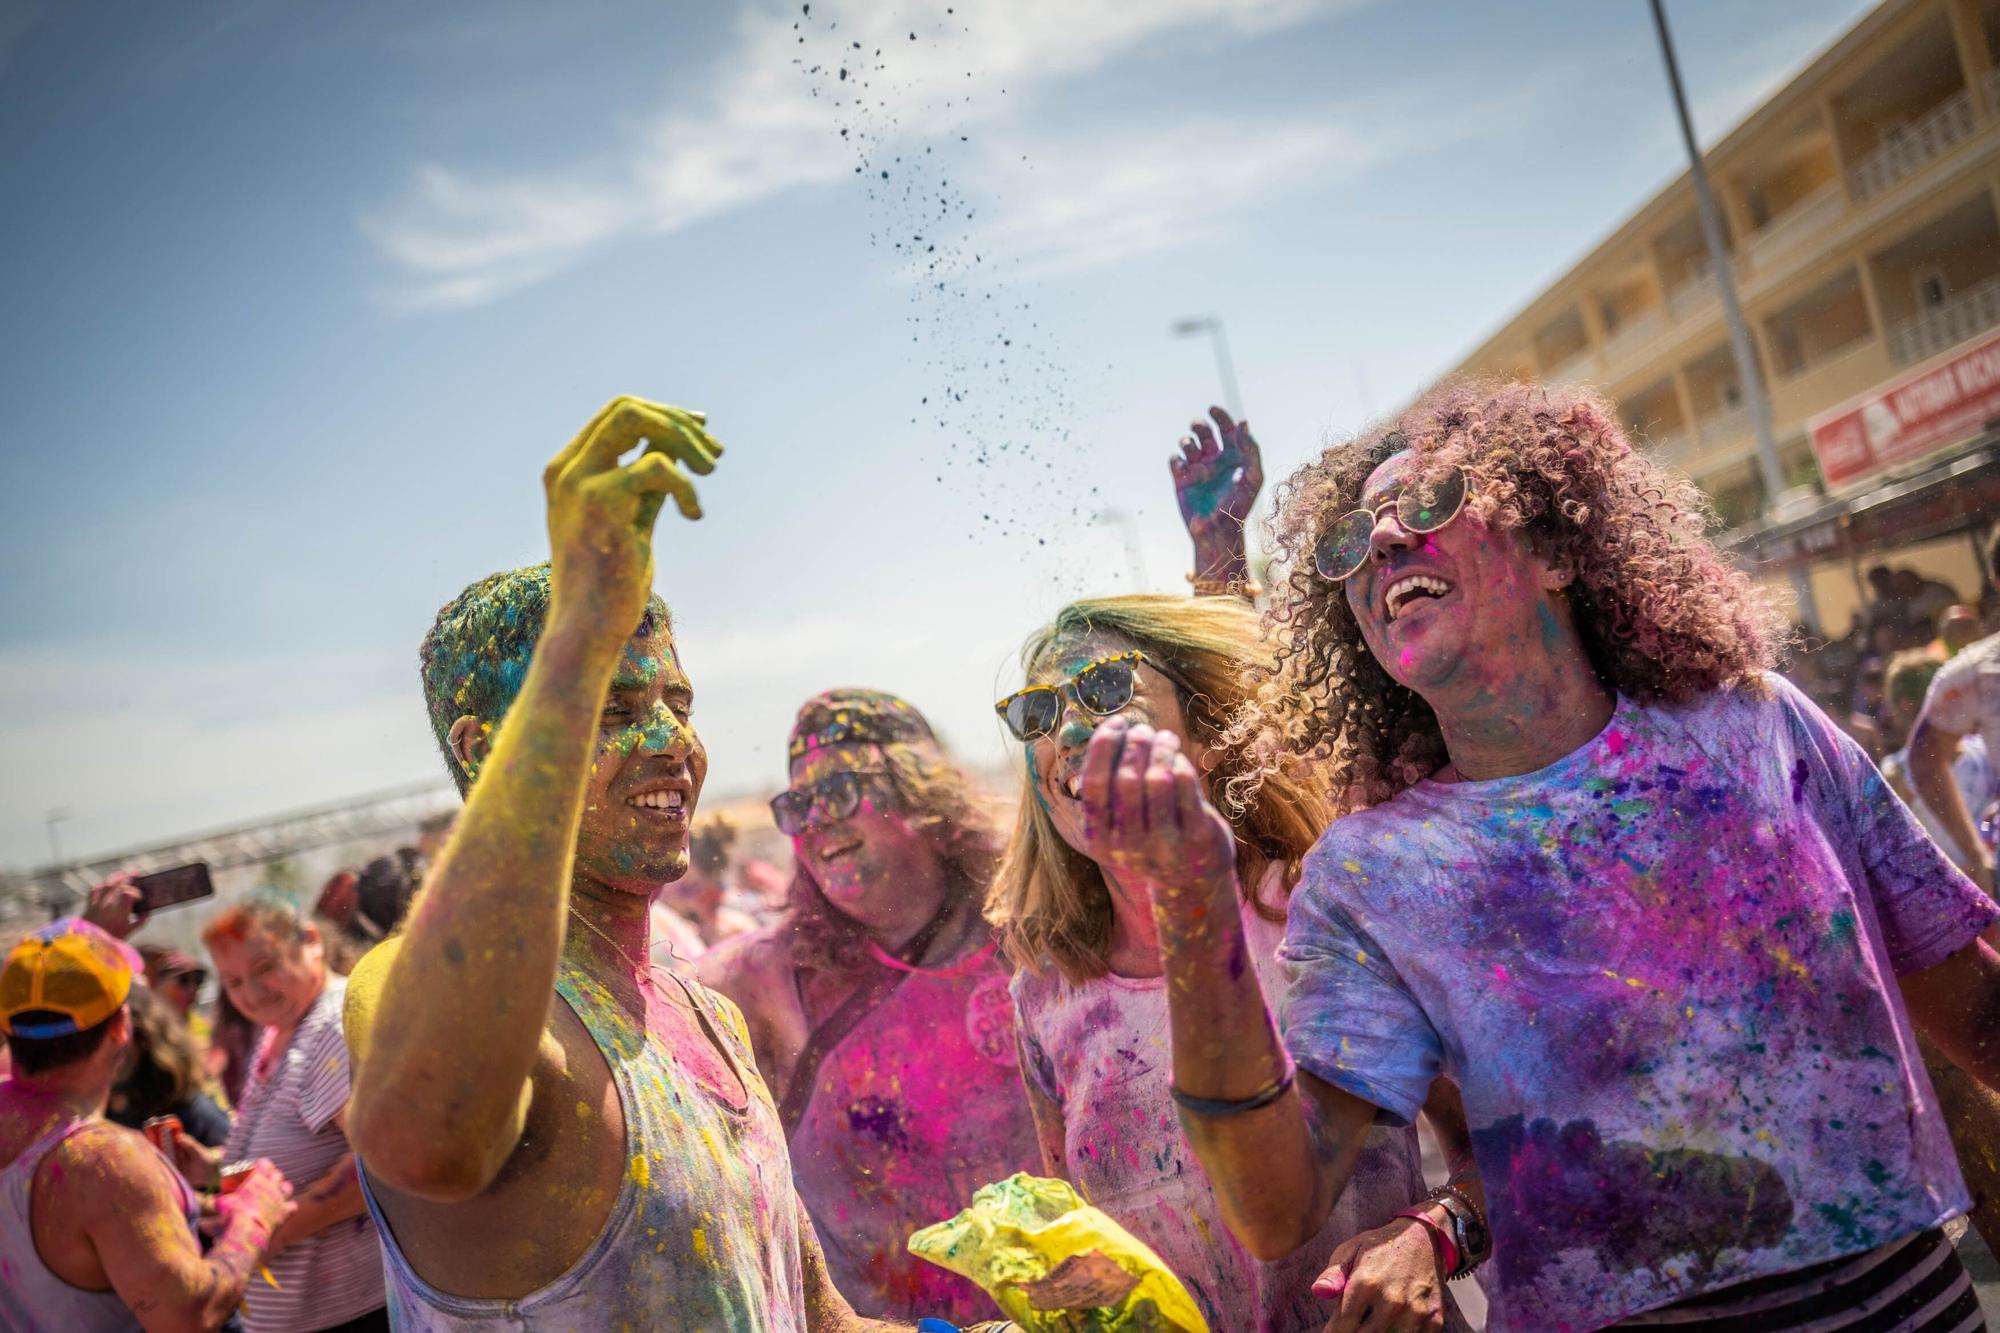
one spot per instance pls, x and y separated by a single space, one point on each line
170 888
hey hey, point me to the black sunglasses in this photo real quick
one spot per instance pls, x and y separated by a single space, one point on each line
834 797
1343 548
1101 688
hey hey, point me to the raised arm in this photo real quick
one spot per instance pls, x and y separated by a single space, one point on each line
441 1092
1217 476
1278 1150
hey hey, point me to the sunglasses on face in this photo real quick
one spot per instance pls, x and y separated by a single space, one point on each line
833 798
1343 548
1101 688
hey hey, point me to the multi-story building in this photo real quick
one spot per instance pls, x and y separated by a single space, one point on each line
1862 208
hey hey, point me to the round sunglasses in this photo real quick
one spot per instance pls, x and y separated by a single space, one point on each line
1101 689
833 798
1343 548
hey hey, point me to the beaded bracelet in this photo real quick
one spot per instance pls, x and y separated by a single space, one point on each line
1244 588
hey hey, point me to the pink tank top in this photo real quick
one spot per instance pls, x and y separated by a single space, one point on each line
918 1106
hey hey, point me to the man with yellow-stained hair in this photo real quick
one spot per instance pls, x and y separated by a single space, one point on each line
552 1131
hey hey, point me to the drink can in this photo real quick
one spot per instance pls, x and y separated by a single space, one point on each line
161 1131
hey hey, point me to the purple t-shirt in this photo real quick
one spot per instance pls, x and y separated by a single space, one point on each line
1661 972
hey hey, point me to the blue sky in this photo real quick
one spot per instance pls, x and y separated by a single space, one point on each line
299 298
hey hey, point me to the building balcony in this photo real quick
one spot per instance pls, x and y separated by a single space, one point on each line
1964 316
1633 334
1723 425
1574 368
1914 147
1992 85
1798 223
1694 294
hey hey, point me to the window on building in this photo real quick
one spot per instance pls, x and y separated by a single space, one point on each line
1930 288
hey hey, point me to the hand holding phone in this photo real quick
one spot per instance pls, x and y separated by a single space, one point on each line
115 906
171 888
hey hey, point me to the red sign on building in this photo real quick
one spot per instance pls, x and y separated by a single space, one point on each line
1944 402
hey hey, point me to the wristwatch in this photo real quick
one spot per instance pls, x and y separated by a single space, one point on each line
1468 1228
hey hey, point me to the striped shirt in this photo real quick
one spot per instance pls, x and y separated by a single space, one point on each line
287 1115
1913 1285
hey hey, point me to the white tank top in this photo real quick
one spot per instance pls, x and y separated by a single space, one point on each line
31 1297
703 1236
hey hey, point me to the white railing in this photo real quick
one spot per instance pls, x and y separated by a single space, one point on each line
1965 315
1915 146
1580 364
1696 292
1725 425
1636 332
1795 224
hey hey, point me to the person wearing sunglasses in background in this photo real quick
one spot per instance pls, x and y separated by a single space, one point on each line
877 1004
1638 897
1073 904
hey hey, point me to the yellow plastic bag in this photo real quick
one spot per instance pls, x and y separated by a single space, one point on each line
1057 1265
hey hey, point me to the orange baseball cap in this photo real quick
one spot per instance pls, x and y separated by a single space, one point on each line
68 967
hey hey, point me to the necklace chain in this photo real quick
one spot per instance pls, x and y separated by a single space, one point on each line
645 973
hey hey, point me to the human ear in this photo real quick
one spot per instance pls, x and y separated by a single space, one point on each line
467 739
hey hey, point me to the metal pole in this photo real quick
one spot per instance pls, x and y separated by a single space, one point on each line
1225 367
1751 378
53 895
1128 532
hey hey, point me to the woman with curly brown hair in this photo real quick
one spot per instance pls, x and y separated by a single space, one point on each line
1632 892
877 1005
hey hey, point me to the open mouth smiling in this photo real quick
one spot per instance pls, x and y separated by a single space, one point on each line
1408 590
670 801
835 851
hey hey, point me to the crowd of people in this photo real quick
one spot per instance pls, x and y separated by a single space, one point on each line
1498 826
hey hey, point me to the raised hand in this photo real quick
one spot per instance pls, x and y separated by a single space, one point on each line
601 513
1217 476
1384 1279
1145 815
113 906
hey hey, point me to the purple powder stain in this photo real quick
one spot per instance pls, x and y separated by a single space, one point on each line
879 1119
1799 782
1644 1205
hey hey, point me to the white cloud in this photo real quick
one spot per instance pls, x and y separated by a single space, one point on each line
462 238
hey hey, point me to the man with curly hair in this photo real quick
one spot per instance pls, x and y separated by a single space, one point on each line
878 1003
1639 898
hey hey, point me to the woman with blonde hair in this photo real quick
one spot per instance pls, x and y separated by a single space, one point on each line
1090 997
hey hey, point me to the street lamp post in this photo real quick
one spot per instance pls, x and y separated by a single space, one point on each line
1769 465
1128 532
1225 368
53 896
